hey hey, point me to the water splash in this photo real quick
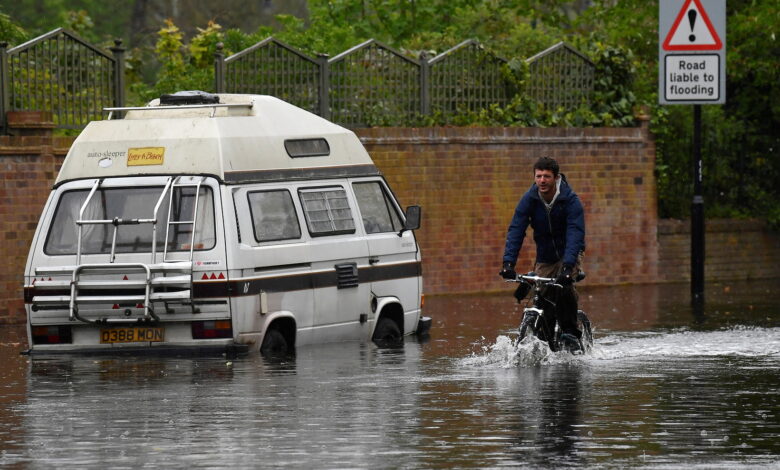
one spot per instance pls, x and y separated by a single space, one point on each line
737 341
502 353
741 341
508 352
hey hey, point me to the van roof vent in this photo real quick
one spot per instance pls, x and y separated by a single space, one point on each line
189 97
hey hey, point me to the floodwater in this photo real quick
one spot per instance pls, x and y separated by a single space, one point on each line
663 388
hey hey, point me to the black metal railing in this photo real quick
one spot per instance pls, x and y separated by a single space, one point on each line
466 78
63 74
560 77
370 84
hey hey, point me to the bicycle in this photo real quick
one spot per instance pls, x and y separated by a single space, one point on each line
536 321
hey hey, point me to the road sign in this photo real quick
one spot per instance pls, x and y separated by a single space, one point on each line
692 52
692 30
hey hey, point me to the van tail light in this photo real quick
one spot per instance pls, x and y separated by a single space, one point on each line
422 300
211 329
53 334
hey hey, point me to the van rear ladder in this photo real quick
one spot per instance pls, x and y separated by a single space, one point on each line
169 281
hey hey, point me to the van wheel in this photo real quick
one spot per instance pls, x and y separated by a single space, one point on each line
386 332
274 344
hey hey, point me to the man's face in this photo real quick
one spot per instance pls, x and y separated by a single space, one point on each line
545 181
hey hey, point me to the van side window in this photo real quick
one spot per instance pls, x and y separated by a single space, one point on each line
327 211
273 215
376 208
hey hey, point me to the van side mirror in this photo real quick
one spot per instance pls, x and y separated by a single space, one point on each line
412 219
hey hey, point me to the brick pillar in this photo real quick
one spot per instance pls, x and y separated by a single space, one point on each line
30 123
29 161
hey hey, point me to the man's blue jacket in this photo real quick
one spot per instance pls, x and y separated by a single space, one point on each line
558 235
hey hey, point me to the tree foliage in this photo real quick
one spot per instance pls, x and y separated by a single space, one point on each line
10 31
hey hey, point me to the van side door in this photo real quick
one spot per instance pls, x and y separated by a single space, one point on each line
338 251
271 259
394 262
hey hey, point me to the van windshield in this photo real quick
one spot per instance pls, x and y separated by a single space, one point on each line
132 203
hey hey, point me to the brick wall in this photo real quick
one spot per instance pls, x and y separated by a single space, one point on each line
468 181
28 167
733 249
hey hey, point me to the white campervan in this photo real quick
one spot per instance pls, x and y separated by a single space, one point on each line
220 222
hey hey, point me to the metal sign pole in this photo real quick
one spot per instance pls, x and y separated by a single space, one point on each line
697 215
692 70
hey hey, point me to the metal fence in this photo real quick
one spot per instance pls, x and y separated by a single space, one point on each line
277 69
373 84
370 84
560 77
466 78
61 73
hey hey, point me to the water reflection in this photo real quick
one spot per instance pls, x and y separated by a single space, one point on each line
659 390
560 415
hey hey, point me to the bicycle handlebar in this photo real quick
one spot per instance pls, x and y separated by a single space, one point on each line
532 277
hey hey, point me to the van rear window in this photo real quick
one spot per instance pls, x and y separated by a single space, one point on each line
273 215
127 204
327 211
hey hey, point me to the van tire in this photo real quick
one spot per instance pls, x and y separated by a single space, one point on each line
274 344
386 332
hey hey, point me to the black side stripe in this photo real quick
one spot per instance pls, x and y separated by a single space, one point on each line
303 281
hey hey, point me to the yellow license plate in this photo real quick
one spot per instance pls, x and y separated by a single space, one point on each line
132 335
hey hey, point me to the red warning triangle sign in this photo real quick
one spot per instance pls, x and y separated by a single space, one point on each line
692 30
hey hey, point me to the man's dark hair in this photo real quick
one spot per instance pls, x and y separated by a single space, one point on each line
547 163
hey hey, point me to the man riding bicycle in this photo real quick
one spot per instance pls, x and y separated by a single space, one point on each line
556 215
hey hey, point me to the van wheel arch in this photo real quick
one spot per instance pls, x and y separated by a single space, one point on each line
279 337
389 325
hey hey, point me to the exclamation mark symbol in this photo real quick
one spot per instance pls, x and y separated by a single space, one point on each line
692 21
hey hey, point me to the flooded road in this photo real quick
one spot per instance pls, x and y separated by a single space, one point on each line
663 388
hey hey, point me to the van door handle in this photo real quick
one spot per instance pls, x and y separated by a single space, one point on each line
373 260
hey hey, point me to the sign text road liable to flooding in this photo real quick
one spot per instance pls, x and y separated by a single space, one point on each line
692 77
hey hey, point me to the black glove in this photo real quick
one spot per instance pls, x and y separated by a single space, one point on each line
508 271
523 288
566 277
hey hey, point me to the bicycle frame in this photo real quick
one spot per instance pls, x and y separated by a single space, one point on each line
535 317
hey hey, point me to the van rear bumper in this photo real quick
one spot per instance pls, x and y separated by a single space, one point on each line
222 348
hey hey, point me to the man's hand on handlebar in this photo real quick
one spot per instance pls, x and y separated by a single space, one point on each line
508 271
566 277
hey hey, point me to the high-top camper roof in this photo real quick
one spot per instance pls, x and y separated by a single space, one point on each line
241 138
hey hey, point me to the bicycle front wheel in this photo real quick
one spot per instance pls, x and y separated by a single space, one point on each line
528 325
